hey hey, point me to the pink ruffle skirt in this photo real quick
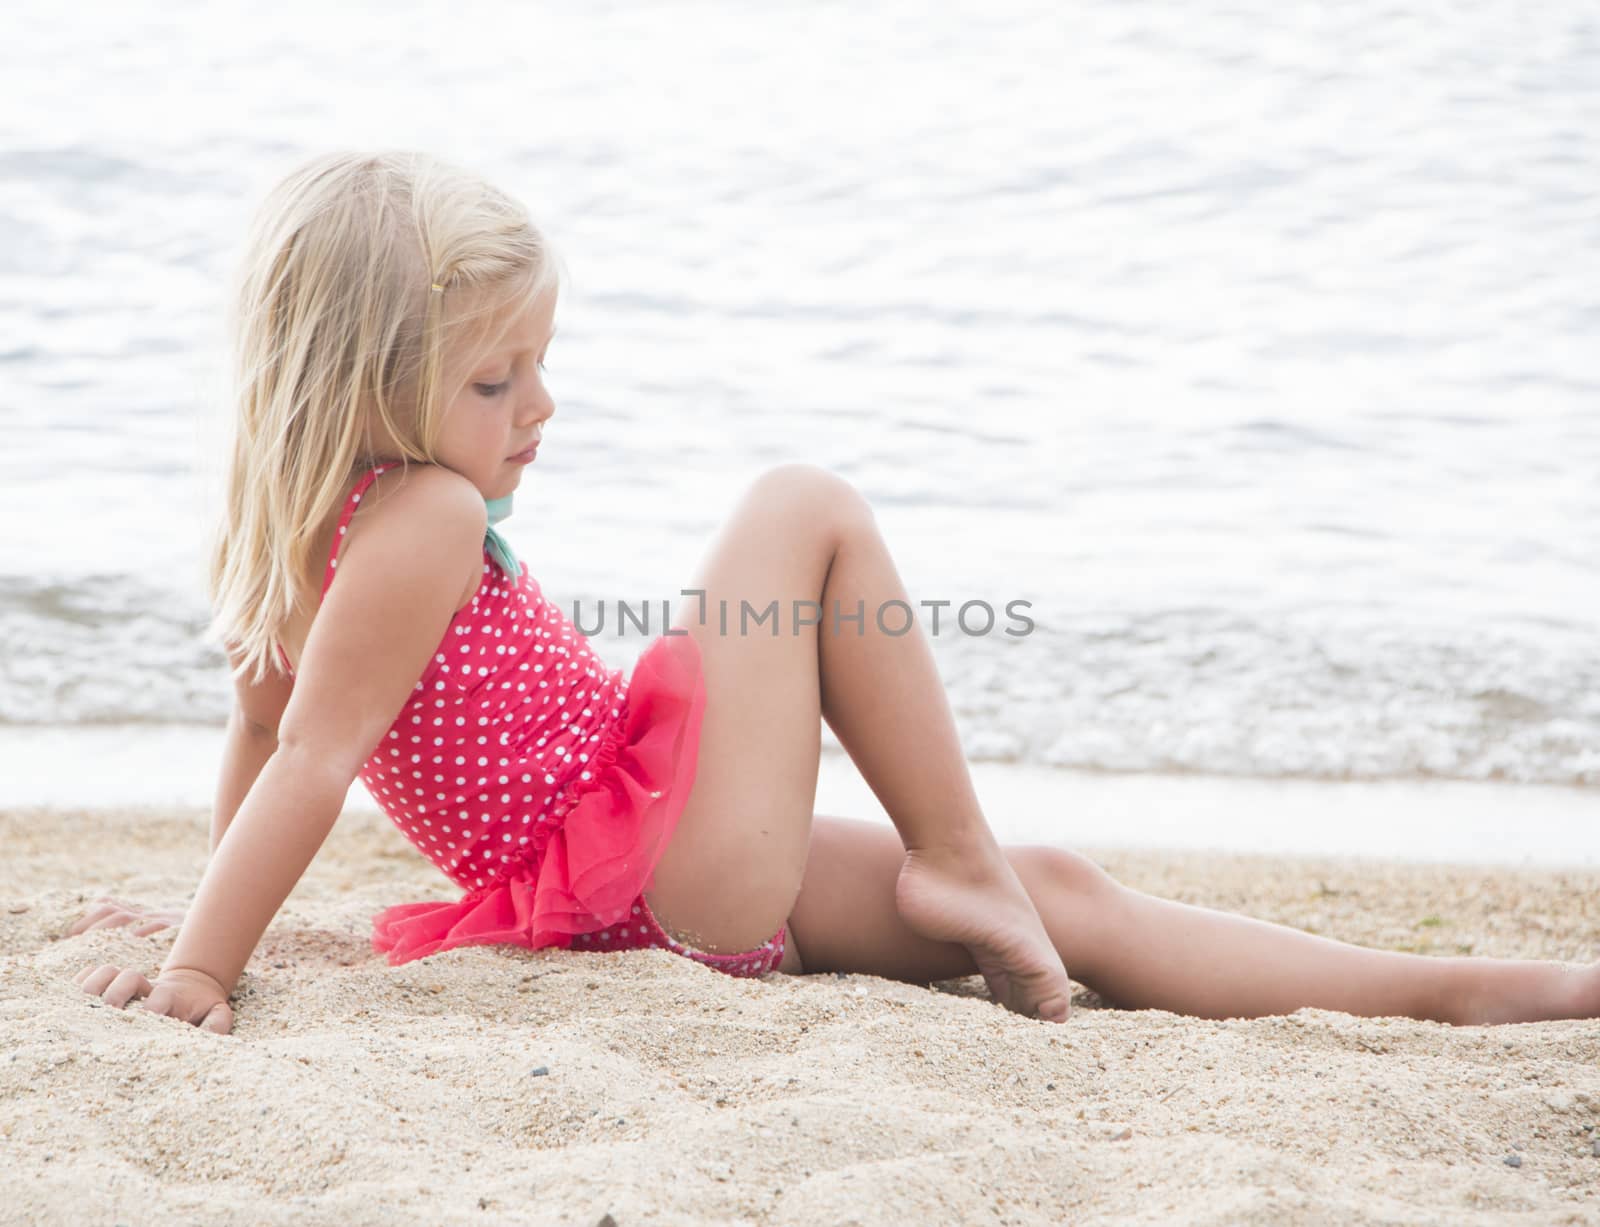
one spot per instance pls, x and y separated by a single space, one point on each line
587 866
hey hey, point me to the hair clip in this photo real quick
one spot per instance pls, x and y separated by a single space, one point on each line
437 288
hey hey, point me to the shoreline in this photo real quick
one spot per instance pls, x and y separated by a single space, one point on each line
1422 820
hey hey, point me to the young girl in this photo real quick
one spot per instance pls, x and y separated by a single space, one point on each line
391 325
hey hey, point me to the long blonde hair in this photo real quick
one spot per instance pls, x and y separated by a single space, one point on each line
335 323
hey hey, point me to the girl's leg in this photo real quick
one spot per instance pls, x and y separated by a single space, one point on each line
1141 952
733 868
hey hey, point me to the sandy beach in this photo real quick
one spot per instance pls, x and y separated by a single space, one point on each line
495 1085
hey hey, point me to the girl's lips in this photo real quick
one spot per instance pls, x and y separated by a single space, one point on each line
525 457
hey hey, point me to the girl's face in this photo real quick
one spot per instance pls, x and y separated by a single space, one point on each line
503 404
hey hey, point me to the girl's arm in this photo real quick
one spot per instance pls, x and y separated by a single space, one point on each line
262 854
258 709
245 752
378 627
382 619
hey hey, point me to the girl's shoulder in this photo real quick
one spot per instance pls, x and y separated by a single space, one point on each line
390 601
405 506
404 514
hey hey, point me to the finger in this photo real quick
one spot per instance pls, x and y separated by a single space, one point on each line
93 914
125 986
160 1000
218 1019
112 919
145 928
98 977
103 917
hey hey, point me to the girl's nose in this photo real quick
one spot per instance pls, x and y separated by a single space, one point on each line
537 409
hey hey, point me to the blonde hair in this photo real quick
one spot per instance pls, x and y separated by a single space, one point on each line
335 323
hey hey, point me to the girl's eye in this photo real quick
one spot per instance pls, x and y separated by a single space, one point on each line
496 389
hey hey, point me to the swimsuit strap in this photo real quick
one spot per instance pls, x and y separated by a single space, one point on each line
344 520
349 510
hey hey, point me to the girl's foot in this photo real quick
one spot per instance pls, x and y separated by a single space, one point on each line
971 895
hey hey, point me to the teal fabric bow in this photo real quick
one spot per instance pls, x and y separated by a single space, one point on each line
498 546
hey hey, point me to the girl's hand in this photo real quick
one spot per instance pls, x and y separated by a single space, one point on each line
108 913
180 992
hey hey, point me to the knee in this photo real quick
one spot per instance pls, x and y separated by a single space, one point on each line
813 493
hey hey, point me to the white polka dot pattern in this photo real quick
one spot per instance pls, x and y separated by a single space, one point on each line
513 720
508 714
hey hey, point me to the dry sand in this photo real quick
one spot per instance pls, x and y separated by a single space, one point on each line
353 1092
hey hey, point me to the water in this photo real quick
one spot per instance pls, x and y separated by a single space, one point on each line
1253 345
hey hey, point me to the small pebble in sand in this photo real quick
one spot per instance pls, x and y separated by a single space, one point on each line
1513 1160
606 1221
540 1072
1594 1148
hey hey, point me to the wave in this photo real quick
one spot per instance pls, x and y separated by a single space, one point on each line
1315 694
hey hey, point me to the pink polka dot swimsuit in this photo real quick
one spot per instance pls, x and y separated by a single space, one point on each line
543 783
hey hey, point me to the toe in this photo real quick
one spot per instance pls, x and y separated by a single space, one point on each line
1055 1009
